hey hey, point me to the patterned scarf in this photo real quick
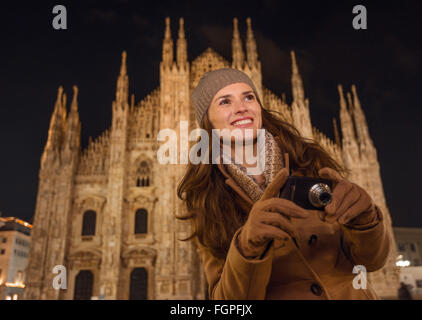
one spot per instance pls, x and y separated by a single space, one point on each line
273 164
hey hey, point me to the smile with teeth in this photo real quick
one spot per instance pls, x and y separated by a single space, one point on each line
242 122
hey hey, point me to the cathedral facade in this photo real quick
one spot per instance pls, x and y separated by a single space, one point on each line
107 213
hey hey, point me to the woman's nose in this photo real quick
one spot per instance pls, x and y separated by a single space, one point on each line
240 106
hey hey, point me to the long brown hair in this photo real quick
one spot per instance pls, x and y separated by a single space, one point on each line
215 209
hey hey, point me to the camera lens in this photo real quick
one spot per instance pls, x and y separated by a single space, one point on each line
325 197
320 195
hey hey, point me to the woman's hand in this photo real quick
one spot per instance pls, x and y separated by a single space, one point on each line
350 205
269 219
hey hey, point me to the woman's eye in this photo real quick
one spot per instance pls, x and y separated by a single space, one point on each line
250 97
225 101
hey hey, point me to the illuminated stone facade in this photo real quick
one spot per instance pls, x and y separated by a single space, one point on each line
118 174
14 252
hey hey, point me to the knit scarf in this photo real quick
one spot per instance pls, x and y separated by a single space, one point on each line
273 164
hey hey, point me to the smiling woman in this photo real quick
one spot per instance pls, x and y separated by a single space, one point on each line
255 245
236 106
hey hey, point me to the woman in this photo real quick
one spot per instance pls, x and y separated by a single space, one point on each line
254 245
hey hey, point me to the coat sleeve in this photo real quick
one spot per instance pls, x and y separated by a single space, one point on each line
367 245
236 278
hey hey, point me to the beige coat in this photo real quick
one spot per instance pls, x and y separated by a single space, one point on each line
319 266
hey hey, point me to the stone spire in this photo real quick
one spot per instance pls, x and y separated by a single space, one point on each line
182 51
297 84
347 129
122 90
112 215
336 133
300 105
167 59
73 125
251 52
132 102
238 55
366 169
51 218
55 131
360 120
349 103
74 105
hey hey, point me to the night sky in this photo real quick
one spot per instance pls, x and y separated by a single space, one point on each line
384 62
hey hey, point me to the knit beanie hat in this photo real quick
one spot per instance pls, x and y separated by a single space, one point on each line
211 83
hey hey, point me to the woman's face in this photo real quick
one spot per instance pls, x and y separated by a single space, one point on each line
236 107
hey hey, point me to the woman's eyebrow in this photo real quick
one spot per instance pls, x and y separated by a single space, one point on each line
229 95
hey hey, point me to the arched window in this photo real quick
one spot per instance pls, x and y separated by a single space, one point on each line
143 175
88 224
138 284
83 285
141 221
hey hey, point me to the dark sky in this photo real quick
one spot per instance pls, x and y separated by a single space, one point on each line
383 61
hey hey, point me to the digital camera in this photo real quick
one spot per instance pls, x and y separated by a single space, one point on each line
308 193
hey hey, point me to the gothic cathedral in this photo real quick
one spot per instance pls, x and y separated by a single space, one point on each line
107 213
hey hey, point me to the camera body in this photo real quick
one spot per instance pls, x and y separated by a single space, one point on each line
308 193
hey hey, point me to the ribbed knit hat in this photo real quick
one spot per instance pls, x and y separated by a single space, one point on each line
211 83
